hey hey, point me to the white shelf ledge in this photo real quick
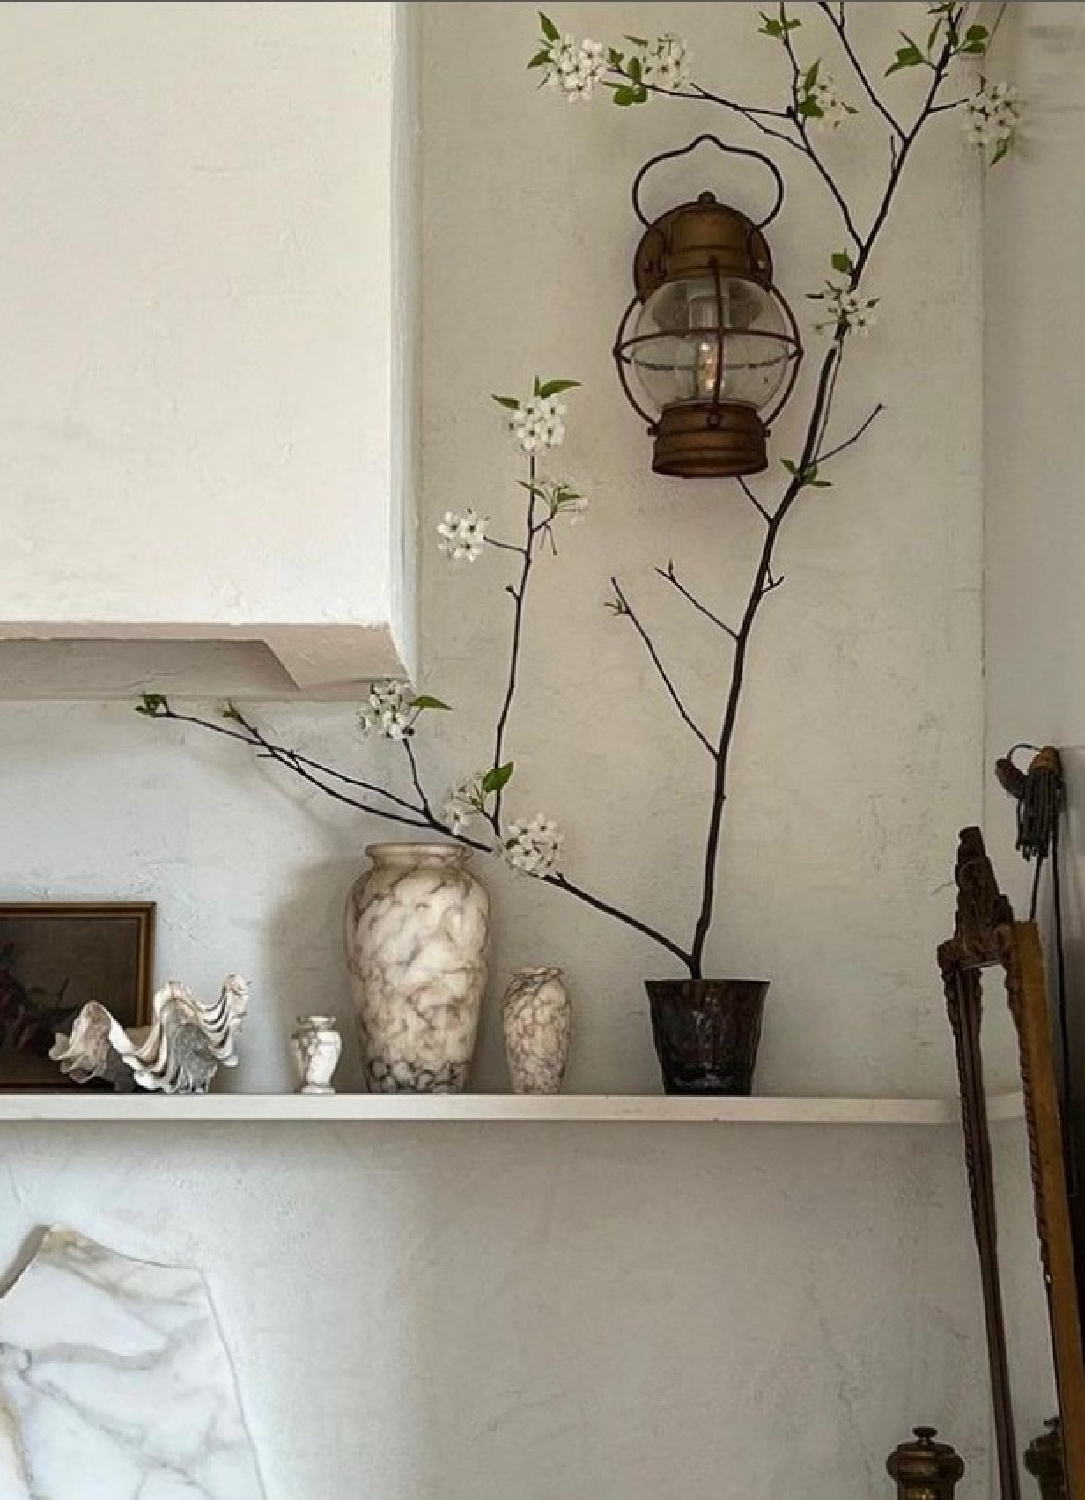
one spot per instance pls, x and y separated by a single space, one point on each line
763 1109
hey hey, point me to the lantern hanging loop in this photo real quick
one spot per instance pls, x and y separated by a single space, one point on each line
728 150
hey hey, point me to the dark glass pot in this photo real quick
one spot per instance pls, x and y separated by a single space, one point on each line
706 1032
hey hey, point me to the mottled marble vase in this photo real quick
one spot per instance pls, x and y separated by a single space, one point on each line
538 1029
416 930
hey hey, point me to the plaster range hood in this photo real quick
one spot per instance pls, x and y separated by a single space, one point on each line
207 390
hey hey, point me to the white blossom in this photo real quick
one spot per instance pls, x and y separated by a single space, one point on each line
464 803
829 108
574 68
666 62
991 117
537 423
463 535
534 846
389 710
847 310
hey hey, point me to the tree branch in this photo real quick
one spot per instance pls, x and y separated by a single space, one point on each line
752 498
839 25
823 458
626 609
670 576
519 594
807 145
423 800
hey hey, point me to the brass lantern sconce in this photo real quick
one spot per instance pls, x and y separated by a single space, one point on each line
708 350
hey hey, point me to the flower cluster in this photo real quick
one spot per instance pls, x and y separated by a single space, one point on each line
390 709
823 106
538 423
574 68
991 118
534 846
462 535
465 802
666 63
817 100
848 311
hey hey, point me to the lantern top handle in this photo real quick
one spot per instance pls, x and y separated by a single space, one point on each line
711 140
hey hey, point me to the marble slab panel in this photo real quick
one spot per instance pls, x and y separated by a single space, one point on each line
115 1383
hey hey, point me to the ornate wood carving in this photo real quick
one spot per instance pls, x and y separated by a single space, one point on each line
985 936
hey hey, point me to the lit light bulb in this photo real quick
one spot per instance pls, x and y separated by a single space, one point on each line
709 312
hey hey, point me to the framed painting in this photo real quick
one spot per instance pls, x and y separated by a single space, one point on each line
54 957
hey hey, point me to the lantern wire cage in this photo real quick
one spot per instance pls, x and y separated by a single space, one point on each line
703 277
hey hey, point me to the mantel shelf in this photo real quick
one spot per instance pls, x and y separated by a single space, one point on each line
763 1109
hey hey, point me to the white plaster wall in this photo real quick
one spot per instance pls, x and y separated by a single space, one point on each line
548 1313
196 411
475 1312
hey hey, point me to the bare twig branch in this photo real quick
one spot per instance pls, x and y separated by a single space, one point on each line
671 577
839 25
807 144
416 780
823 458
752 498
649 646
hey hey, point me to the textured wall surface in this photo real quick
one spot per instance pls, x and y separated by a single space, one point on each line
201 312
554 1313
613 1313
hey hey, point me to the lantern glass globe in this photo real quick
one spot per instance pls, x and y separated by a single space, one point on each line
701 339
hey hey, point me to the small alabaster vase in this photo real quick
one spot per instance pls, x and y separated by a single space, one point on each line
315 1046
417 924
538 1029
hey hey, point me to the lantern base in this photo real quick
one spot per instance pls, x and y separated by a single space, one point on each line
703 440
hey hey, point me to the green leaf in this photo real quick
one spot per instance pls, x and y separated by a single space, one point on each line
510 403
549 30
638 41
154 705
907 57
634 69
624 95
555 387
841 262
229 711
614 58
933 37
541 58
810 109
811 75
977 34
536 387
770 27
497 779
1000 151
792 468
424 700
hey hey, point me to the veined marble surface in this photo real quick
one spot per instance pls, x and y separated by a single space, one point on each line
115 1383
416 932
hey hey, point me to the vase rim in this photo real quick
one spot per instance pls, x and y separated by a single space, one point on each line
537 971
321 1022
447 853
704 983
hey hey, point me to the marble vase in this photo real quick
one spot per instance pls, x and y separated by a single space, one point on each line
538 1030
315 1045
416 930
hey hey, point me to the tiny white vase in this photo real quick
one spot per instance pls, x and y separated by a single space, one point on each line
538 1022
315 1045
416 932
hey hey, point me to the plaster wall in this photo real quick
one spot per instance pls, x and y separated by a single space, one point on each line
196 422
474 1312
